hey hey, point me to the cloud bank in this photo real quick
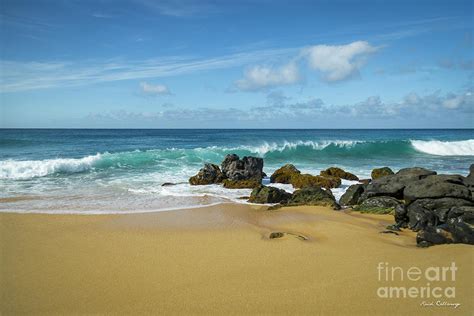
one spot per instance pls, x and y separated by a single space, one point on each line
413 110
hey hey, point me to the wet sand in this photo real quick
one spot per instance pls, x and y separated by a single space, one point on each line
218 260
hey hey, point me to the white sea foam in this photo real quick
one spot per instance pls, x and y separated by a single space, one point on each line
152 199
345 184
27 169
444 148
187 190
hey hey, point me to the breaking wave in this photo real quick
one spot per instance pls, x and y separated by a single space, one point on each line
440 148
272 152
20 170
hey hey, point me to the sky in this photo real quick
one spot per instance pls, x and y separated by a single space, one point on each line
236 64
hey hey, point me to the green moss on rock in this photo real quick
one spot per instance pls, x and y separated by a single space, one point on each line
266 194
379 205
313 196
241 184
284 174
381 172
339 173
300 181
376 210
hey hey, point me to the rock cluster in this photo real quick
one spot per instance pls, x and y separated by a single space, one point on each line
329 178
306 196
248 173
439 207
312 190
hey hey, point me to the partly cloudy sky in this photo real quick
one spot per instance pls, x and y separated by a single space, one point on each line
236 64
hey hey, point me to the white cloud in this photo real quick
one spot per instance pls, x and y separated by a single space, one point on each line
181 8
262 77
23 76
151 89
338 62
335 62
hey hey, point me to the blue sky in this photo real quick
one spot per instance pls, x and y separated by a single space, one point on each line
236 64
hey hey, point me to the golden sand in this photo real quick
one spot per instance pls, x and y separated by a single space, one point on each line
217 260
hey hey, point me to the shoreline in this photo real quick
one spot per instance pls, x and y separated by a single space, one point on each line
214 260
125 212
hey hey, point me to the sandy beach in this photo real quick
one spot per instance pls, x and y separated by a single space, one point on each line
217 260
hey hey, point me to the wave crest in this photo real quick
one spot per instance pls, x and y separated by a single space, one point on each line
27 169
441 148
266 147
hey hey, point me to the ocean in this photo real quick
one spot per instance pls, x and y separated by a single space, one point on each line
94 171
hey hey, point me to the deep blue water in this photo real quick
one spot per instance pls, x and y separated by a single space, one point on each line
106 170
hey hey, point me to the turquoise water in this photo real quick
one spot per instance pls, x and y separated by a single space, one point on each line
122 170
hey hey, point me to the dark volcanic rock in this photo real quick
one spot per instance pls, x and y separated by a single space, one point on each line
246 168
266 194
418 172
313 196
379 205
469 180
209 174
437 186
439 207
431 212
284 174
381 172
458 229
433 236
338 173
352 195
461 224
401 216
393 185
